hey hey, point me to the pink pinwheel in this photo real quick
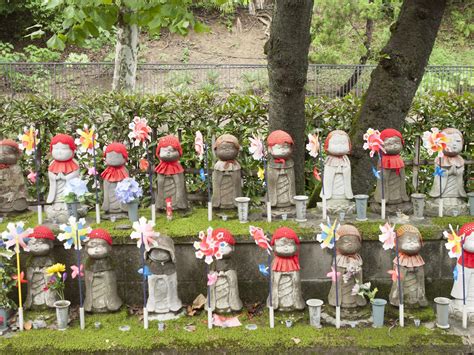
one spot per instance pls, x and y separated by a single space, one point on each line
209 246
256 148
388 236
435 141
199 145
394 274
22 279
146 228
313 146
16 236
28 139
212 278
454 243
373 142
32 176
333 275
260 239
140 131
75 271
86 137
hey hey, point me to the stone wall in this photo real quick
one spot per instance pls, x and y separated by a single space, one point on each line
315 264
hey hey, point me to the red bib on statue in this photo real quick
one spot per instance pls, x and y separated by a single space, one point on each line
114 173
64 167
169 168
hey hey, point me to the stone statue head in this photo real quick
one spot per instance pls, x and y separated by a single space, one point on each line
169 149
455 142
280 145
409 239
62 147
285 242
349 241
41 241
116 154
9 152
227 242
467 230
162 251
99 245
337 143
392 141
226 147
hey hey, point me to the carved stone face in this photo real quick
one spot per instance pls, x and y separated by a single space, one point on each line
8 155
409 243
454 145
469 244
393 145
226 249
98 248
285 247
226 151
338 144
62 152
169 154
349 244
281 151
114 159
40 246
159 255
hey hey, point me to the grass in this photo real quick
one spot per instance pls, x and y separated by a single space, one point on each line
300 336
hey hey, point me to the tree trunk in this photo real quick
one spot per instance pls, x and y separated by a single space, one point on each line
395 79
126 57
287 54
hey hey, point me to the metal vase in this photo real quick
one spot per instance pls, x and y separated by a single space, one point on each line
314 306
72 208
418 201
243 208
3 319
301 201
378 312
132 208
470 195
62 313
442 312
361 207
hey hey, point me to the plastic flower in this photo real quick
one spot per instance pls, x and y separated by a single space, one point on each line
209 246
394 274
144 164
313 146
69 233
28 139
145 228
260 238
373 142
376 173
199 145
316 174
328 235
455 273
454 243
16 236
56 269
261 173
264 270
256 148
22 279
435 141
128 190
145 271
32 176
212 278
202 174
86 137
438 171
140 131
76 186
91 171
333 274
388 236
77 271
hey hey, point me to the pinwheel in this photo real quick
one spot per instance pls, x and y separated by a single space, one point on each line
16 236
264 270
260 238
75 233
327 236
212 278
454 243
28 140
388 236
201 148
333 274
145 271
19 279
313 147
87 143
257 149
77 271
394 274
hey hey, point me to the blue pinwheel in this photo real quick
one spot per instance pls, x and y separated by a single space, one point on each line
263 270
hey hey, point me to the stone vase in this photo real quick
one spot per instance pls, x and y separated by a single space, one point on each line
314 306
132 208
243 208
300 201
3 319
378 312
470 195
442 312
62 313
361 207
418 201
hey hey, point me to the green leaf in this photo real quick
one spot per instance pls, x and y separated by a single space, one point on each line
51 4
56 43
200 27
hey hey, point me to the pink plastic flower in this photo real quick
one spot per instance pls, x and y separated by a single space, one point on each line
260 238
199 145
373 142
209 246
32 176
256 148
22 279
140 131
91 171
435 141
388 236
212 278
394 274
333 275
313 146
142 226
75 271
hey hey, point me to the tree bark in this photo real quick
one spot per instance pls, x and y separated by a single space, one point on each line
126 57
395 79
287 53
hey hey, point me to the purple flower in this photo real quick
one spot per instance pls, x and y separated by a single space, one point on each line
128 190
64 277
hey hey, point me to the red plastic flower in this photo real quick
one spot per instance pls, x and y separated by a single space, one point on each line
22 278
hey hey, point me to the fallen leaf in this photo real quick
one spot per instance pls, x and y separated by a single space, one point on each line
28 325
190 311
225 322
190 328
296 340
199 302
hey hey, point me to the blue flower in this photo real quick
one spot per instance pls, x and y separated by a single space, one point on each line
145 271
455 273
438 171
202 174
128 190
376 172
263 270
76 186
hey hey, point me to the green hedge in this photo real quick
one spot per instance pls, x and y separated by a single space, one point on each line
242 115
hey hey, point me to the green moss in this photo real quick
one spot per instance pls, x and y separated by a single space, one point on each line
110 338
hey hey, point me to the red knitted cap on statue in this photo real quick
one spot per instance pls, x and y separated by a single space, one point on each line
279 137
228 238
467 229
42 232
64 139
117 148
285 232
100 234
167 141
10 143
391 132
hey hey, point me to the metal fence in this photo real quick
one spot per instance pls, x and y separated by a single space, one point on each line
65 80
